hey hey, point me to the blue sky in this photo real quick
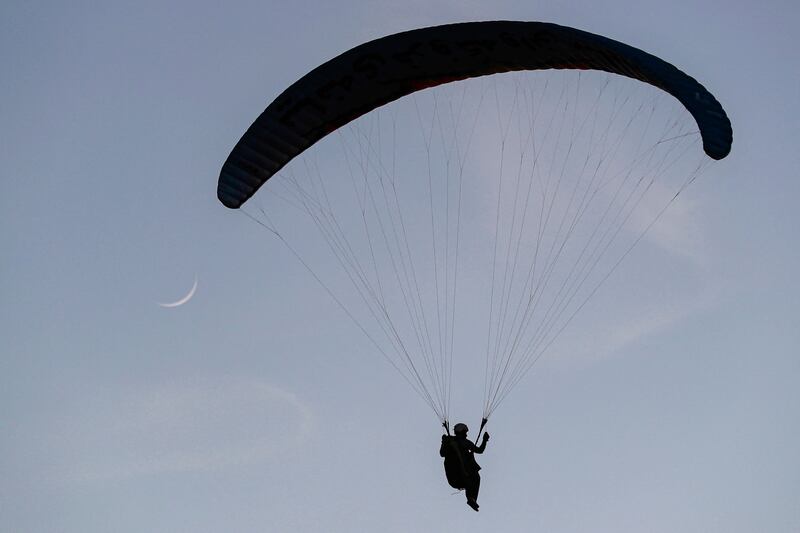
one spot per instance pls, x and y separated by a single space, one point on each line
257 406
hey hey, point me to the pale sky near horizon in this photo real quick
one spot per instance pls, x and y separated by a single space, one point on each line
257 406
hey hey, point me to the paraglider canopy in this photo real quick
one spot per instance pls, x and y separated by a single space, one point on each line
380 71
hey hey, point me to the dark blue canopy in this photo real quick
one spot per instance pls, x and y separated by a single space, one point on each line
380 71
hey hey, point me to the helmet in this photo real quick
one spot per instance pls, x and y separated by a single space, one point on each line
460 429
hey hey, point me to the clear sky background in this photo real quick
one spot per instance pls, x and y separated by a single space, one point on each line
258 406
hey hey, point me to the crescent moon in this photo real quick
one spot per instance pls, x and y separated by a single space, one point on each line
184 299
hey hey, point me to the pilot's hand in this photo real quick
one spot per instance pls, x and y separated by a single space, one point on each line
485 437
444 438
